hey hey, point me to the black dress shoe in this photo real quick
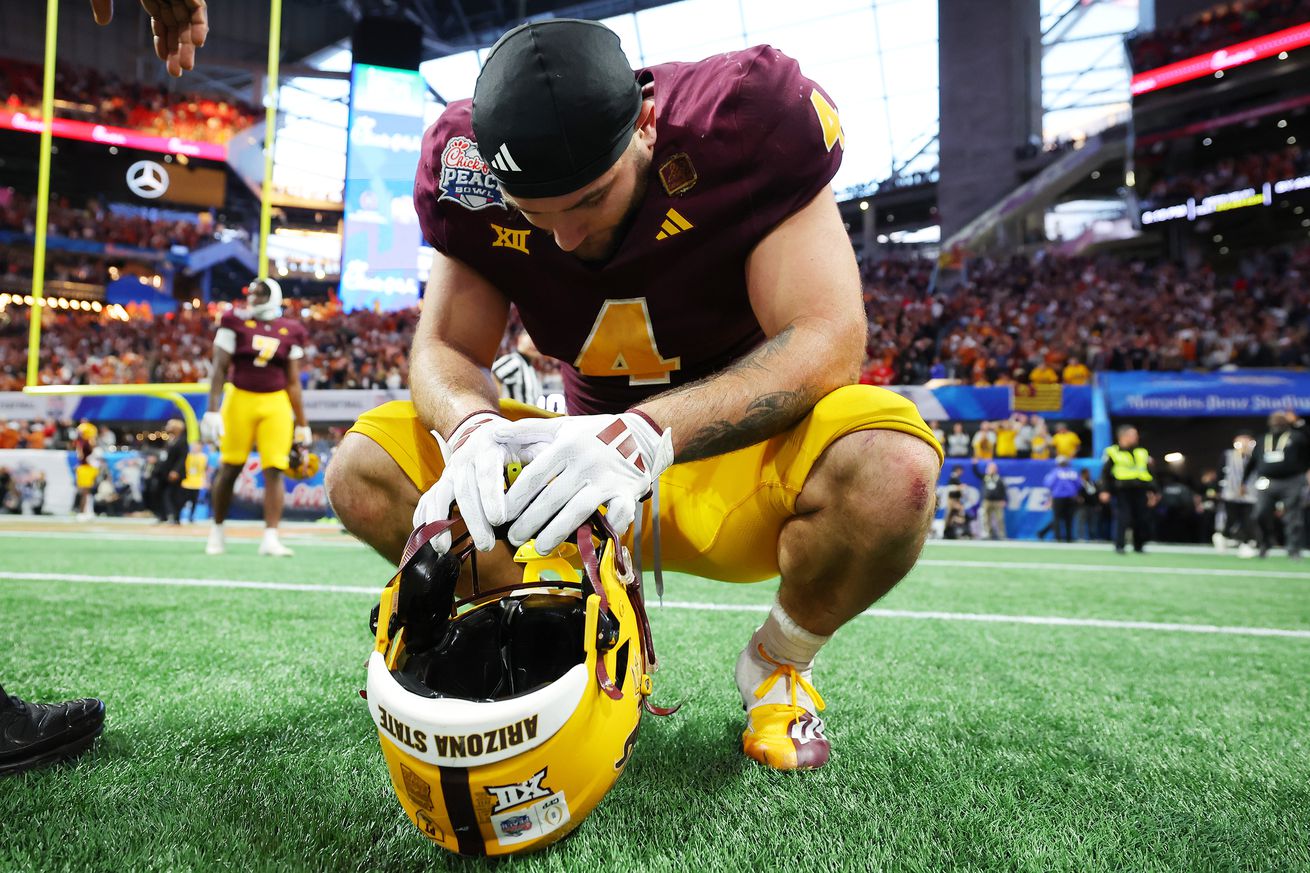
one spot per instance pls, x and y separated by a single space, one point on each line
35 734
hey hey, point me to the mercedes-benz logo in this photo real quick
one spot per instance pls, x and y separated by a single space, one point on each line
147 179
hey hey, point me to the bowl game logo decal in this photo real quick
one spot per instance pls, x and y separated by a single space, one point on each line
515 825
465 178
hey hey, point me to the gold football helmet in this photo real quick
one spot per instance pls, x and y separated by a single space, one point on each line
302 463
507 716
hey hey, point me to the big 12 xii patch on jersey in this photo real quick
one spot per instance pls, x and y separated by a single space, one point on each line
743 140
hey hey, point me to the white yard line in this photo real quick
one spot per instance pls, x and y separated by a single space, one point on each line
1128 569
146 534
1048 620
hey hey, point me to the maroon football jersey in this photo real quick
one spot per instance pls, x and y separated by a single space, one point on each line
743 140
263 349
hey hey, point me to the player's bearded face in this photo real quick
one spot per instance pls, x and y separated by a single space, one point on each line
591 222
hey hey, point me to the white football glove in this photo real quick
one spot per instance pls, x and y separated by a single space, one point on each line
304 435
211 427
592 461
474 478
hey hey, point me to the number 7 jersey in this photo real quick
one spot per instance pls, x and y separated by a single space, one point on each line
260 350
743 140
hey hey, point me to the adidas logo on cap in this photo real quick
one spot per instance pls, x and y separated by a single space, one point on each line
504 161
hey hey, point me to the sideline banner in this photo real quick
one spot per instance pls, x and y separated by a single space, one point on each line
306 499
321 406
1028 503
1233 393
25 465
344 405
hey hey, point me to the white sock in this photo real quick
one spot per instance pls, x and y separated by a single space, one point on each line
270 536
785 640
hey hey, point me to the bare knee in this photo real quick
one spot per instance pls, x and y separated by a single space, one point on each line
368 490
884 482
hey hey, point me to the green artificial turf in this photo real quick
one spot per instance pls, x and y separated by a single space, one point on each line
236 738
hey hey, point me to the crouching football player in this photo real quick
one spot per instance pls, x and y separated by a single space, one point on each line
671 236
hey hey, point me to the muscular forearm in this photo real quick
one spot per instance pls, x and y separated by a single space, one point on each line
446 385
758 396
217 379
297 402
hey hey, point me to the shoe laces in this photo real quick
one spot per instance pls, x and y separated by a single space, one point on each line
794 679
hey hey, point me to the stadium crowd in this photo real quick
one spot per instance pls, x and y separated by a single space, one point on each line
1040 320
1047 319
91 95
1230 173
1217 27
93 222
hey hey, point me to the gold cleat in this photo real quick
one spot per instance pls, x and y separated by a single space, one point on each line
785 736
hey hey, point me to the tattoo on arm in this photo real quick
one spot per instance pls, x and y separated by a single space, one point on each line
766 416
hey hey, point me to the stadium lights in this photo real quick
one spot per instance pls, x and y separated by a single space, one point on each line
1218 74
1207 141
96 305
1291 140
1173 458
1282 56
1223 250
1282 122
864 205
1130 179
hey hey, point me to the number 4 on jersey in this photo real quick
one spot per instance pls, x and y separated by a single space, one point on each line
622 343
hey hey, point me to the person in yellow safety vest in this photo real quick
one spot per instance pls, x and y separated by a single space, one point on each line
197 464
1126 476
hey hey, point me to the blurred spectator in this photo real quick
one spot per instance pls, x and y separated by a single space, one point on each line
1065 441
1065 485
994 498
169 472
938 433
1279 463
1178 511
1088 511
1237 506
197 465
1075 373
1006 433
1025 428
1043 374
958 443
1041 442
956 524
984 442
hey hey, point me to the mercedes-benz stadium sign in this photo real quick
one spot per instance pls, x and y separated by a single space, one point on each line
147 179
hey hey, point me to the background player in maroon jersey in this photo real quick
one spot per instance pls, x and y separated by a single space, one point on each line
672 238
262 349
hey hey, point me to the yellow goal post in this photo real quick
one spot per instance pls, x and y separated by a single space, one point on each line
172 392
